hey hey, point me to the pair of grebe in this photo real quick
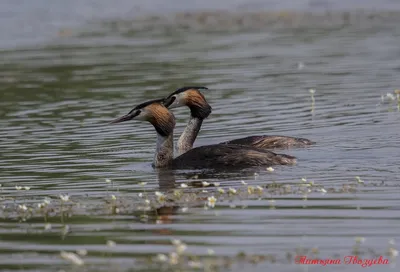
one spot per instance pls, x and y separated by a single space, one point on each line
240 153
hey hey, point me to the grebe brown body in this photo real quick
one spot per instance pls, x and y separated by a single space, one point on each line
200 109
210 156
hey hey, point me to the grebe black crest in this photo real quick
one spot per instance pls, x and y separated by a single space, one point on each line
192 98
210 156
185 97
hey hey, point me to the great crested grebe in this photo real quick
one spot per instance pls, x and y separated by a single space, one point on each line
200 109
210 156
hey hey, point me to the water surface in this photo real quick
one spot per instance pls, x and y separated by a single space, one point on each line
57 97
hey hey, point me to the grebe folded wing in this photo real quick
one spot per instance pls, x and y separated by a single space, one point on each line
271 141
229 156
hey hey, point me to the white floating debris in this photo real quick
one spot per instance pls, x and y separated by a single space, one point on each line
22 207
270 169
173 258
72 257
176 242
82 252
162 258
64 198
111 243
232 191
359 180
181 248
195 264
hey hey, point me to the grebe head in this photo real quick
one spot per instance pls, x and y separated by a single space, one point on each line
192 98
152 111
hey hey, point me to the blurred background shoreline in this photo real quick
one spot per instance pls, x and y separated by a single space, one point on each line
34 23
71 184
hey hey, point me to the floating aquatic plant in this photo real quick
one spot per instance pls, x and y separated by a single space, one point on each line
359 180
211 201
22 207
232 191
312 92
160 196
180 258
397 92
390 98
64 198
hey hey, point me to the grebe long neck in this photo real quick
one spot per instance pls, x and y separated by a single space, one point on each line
189 135
164 151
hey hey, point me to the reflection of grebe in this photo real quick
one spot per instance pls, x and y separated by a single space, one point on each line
210 156
200 109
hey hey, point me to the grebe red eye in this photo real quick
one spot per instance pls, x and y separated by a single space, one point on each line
168 101
133 113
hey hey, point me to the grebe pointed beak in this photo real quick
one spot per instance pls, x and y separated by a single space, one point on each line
124 118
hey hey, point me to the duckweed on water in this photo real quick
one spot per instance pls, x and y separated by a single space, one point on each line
148 206
65 206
